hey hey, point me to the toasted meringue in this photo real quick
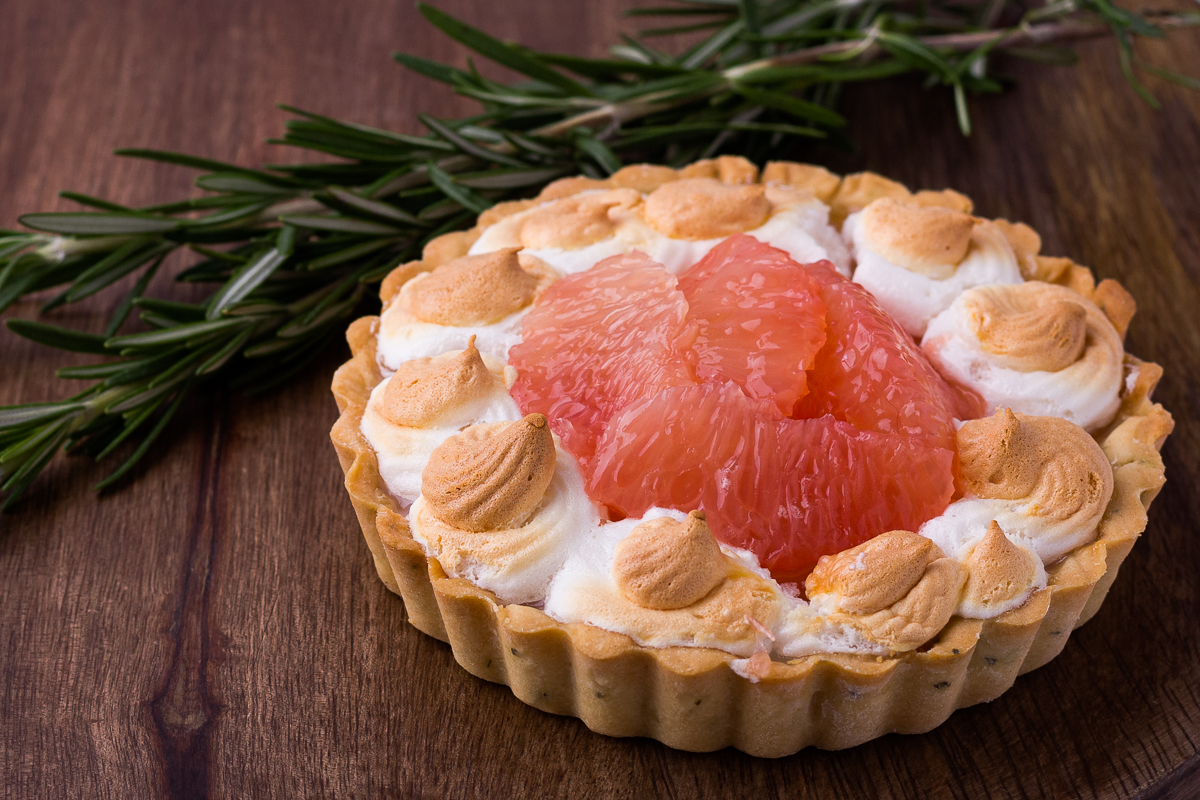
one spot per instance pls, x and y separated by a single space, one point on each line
567 187
471 290
876 573
427 389
821 182
570 222
928 240
644 178
1023 331
1001 575
426 401
795 222
858 191
575 222
517 532
668 564
705 208
490 476
907 255
731 170
738 615
1043 479
482 296
896 589
1037 348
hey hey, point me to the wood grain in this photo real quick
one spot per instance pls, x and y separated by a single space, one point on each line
216 629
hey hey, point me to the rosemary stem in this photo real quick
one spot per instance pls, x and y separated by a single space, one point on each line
614 114
1057 32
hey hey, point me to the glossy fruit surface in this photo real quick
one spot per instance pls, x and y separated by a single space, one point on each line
777 397
599 340
761 320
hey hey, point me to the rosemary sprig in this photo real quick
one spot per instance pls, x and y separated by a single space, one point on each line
290 249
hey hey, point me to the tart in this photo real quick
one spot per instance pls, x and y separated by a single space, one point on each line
731 459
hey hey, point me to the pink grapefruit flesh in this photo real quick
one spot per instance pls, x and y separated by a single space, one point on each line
777 397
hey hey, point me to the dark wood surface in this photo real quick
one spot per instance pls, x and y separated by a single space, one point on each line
217 628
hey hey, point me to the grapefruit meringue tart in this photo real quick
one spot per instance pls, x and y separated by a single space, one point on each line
764 461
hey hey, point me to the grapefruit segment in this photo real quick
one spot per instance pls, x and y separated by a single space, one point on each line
760 319
871 374
599 340
788 490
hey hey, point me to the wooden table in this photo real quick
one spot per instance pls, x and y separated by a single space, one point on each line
217 627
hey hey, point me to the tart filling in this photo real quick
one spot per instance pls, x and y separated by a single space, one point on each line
664 581
416 409
495 495
470 297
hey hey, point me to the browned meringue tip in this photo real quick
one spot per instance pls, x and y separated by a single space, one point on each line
930 240
490 477
705 208
997 570
858 191
731 170
666 564
897 589
424 388
818 180
1052 464
1029 327
473 290
574 222
874 574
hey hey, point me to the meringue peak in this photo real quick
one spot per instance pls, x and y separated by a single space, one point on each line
929 240
1000 572
490 477
666 564
423 389
472 290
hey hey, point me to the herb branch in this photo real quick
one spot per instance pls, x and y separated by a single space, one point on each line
290 250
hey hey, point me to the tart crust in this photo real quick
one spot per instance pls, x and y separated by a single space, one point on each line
702 699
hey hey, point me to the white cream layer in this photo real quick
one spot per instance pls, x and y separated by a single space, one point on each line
807 629
965 522
585 591
914 299
1084 393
